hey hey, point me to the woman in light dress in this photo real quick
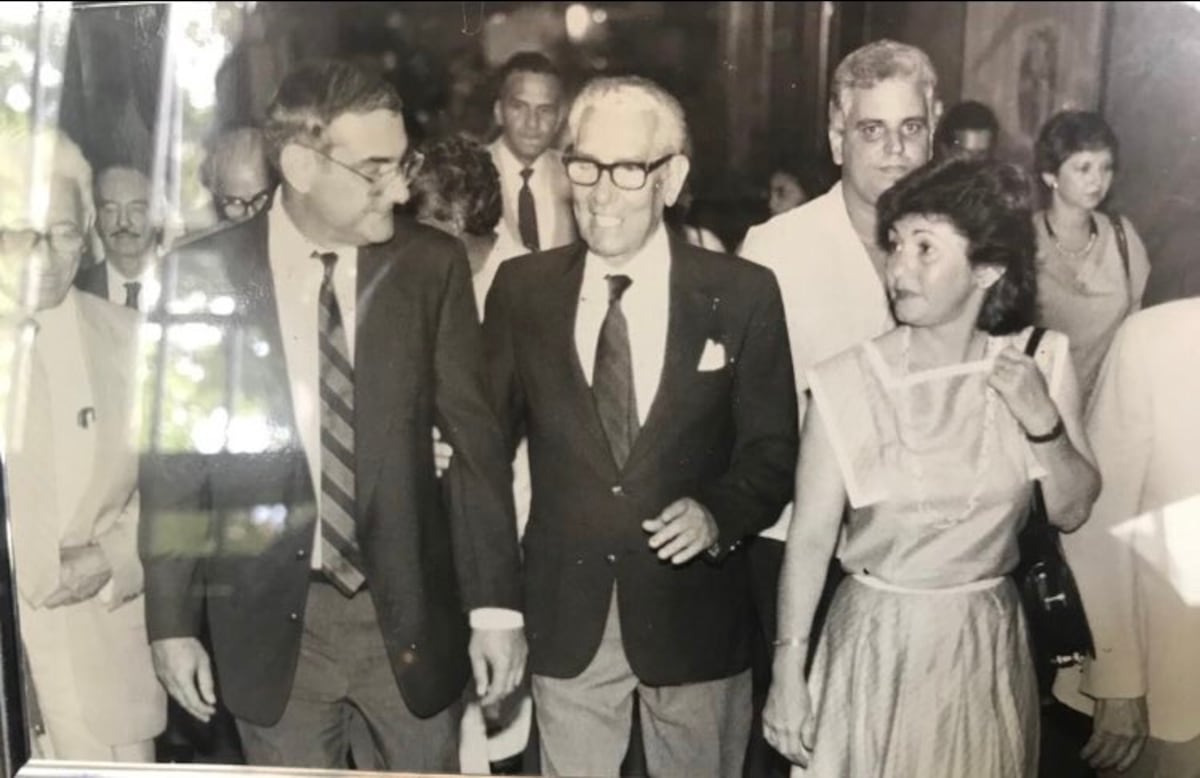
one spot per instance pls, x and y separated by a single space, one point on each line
1087 284
934 432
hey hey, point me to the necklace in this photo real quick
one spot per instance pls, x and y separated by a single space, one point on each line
1093 232
917 466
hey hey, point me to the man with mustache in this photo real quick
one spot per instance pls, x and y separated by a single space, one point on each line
883 109
128 274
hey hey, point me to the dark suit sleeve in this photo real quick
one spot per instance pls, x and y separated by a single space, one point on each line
174 532
482 518
759 482
504 381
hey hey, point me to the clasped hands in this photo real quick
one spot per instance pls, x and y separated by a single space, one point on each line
83 571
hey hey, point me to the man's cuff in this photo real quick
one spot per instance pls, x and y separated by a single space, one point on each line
496 618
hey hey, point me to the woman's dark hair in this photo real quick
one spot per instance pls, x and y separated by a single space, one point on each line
1067 133
988 204
458 179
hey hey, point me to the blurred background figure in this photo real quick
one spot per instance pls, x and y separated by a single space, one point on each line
131 240
237 175
457 190
1092 268
969 130
790 186
529 109
686 218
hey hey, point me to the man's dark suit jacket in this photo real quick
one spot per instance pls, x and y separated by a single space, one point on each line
93 279
727 438
234 530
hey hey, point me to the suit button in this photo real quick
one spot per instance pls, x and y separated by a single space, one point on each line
618 490
293 616
611 559
301 554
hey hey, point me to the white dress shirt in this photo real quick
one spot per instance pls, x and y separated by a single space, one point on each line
545 203
832 296
297 277
645 305
148 295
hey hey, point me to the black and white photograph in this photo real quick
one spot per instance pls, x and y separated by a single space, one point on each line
598 389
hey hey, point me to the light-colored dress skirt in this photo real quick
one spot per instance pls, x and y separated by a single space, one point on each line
929 684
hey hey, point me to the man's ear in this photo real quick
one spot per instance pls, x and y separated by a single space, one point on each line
672 182
497 113
297 167
837 134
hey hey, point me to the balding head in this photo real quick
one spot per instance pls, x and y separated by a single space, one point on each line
238 174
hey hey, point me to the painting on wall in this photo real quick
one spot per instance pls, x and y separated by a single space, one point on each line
1030 60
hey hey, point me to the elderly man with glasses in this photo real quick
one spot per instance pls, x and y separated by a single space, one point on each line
70 456
654 382
338 574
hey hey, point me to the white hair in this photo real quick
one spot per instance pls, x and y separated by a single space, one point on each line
29 161
879 61
671 135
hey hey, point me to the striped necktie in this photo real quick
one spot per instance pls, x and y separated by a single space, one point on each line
612 377
340 555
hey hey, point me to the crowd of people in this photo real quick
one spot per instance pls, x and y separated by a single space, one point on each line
516 469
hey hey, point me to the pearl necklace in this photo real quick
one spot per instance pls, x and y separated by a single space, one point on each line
1093 233
983 456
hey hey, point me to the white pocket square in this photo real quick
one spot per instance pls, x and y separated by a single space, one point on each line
713 357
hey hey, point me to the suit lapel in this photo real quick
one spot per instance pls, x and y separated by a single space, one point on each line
691 312
376 397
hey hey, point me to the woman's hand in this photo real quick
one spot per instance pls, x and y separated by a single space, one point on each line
788 723
1017 379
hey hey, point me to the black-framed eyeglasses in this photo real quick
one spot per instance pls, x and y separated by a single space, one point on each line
627 175
233 207
62 238
385 174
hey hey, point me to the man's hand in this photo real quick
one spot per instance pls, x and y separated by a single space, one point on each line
183 666
1119 731
443 452
684 529
83 571
498 662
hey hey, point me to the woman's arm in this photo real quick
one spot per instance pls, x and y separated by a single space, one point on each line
1072 481
819 502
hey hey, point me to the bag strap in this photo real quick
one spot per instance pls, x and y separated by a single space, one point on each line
1035 338
1122 242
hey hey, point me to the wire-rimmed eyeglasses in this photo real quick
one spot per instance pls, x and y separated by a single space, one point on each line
384 173
627 175
62 238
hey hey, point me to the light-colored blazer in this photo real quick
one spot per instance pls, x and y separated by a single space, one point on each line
1137 559
117 692
551 191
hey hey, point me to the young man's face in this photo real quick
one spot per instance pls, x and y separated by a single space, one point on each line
529 112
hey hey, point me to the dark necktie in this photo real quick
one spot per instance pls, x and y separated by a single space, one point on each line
340 555
612 378
132 290
527 212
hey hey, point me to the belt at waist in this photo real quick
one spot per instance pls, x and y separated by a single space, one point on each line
971 586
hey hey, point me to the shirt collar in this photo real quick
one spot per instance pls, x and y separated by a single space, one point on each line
514 166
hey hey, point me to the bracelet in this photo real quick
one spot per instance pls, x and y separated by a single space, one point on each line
788 643
1053 434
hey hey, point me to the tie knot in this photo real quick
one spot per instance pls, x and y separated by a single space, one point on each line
328 259
617 284
526 173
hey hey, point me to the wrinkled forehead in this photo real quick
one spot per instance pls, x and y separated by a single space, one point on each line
614 130
122 185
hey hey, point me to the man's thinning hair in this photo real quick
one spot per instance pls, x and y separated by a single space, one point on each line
316 93
245 145
26 158
879 61
671 134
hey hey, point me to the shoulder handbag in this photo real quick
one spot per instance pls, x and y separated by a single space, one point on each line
1059 634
